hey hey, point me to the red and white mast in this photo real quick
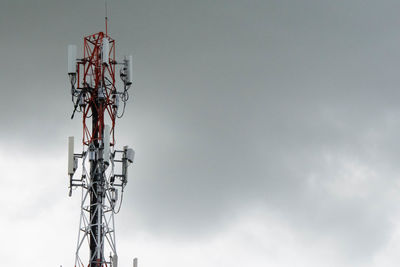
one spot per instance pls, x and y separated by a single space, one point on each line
95 96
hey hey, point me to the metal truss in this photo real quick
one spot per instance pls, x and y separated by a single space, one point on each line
94 94
110 205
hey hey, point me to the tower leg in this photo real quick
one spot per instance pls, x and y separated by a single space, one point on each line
96 201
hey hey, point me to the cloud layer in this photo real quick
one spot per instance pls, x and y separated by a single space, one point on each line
265 131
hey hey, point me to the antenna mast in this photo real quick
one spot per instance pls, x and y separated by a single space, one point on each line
105 2
95 96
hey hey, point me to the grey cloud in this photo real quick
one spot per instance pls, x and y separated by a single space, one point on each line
234 103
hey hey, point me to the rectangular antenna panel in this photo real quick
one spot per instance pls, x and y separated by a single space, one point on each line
106 141
135 262
114 260
71 155
71 59
106 51
129 71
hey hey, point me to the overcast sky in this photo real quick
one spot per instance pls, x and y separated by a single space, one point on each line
266 132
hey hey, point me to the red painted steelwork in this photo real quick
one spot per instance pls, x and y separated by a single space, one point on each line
93 74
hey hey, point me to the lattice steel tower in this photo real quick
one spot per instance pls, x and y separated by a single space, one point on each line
94 94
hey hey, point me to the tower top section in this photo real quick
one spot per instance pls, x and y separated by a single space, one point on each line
93 84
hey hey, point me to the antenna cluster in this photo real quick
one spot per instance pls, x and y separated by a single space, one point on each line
104 169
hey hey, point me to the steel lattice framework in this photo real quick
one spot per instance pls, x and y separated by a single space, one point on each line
94 94
93 74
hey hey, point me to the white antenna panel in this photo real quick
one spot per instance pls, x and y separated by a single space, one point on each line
106 142
115 260
71 163
71 59
129 71
105 50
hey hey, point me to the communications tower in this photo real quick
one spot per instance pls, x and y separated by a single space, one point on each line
104 169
